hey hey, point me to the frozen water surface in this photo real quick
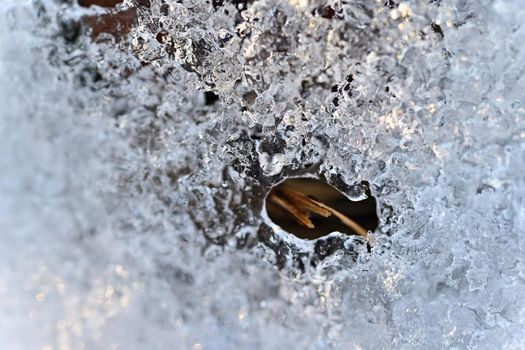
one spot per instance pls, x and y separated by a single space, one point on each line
134 172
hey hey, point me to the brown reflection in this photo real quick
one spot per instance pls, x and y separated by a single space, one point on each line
102 3
117 24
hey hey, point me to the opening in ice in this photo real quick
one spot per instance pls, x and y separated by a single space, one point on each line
310 208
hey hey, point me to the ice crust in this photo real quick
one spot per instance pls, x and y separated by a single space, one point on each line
131 211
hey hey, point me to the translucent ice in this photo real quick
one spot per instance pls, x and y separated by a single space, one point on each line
135 166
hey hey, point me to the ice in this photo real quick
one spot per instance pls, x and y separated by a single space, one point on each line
132 202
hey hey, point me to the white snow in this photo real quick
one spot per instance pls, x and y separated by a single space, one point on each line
129 209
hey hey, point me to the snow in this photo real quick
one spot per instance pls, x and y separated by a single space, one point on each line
131 212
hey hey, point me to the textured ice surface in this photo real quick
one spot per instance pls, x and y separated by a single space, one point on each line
131 203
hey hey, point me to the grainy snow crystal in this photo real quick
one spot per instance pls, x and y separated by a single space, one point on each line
134 171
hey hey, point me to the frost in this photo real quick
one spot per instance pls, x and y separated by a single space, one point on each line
135 167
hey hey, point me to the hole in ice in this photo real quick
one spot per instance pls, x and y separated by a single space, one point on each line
310 208
210 98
